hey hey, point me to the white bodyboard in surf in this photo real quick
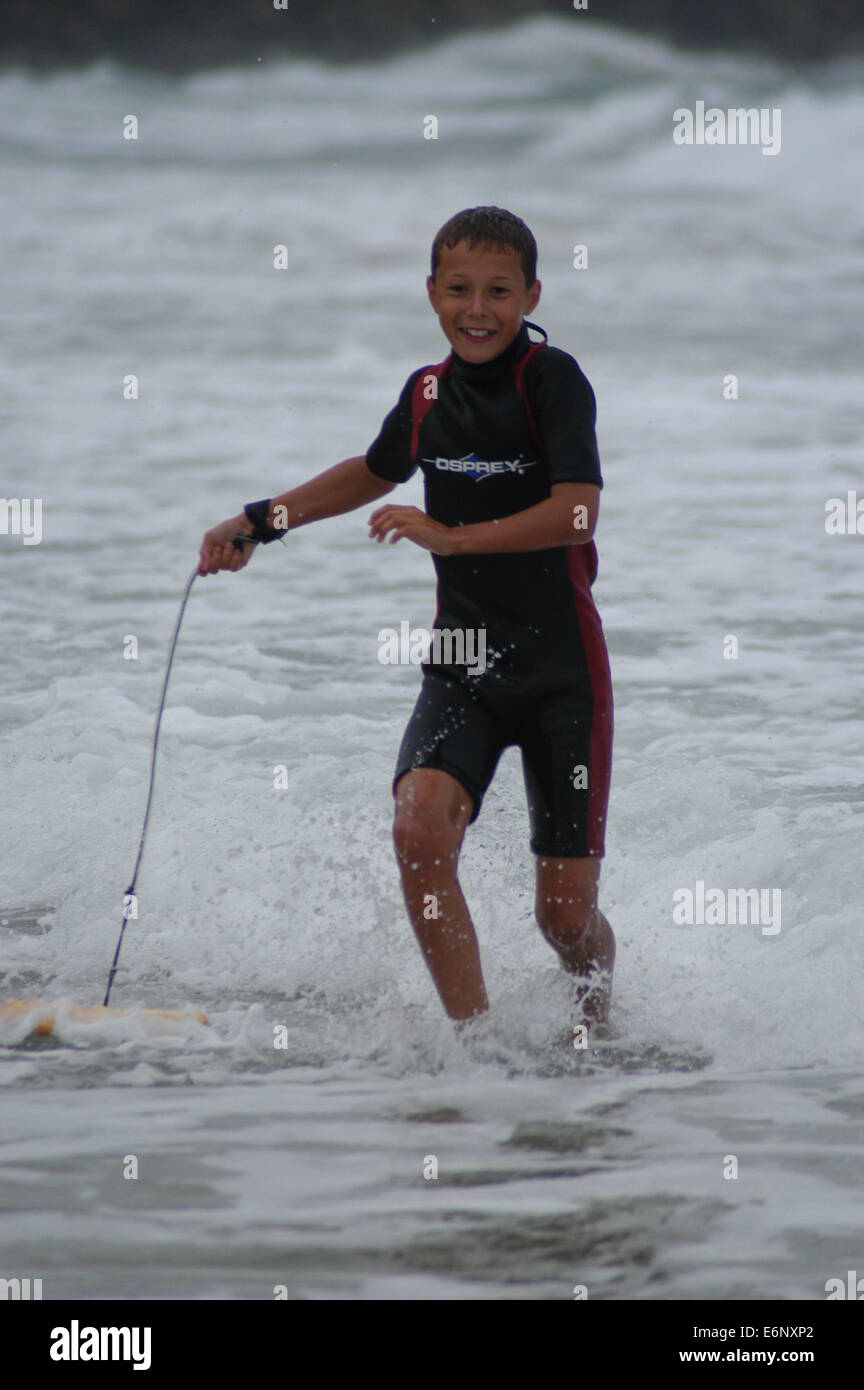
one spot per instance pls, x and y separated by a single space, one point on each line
23 1018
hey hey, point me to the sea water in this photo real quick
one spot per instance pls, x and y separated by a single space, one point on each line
268 894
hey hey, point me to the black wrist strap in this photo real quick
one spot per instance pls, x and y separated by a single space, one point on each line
256 512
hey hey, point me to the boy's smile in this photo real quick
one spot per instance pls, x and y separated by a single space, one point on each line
480 297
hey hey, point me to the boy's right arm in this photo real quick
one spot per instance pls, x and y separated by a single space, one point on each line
344 487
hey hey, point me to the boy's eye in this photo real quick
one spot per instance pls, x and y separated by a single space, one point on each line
496 289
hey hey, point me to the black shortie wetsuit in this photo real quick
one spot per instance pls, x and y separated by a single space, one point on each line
491 439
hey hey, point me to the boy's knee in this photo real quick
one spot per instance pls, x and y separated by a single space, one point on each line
559 923
423 834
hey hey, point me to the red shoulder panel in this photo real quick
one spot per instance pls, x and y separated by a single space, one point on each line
422 400
519 379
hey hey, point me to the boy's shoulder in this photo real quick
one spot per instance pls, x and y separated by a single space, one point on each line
552 359
554 381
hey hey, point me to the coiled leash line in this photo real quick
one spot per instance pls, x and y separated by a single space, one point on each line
238 541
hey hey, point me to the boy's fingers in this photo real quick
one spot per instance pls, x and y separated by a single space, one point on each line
210 563
223 555
380 518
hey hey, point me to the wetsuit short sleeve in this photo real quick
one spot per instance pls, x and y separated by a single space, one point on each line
389 455
565 412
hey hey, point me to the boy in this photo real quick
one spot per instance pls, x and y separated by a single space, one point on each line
504 432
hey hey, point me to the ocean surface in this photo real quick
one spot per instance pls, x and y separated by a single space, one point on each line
301 1167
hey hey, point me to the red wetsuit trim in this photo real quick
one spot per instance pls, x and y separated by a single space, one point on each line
519 379
582 567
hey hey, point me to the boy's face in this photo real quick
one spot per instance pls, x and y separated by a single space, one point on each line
480 297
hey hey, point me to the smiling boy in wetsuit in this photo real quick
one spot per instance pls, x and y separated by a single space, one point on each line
503 430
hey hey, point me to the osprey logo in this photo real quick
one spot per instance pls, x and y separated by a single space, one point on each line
478 468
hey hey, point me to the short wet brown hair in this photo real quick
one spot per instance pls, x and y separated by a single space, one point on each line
494 227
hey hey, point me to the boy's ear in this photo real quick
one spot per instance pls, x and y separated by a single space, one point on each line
534 297
430 289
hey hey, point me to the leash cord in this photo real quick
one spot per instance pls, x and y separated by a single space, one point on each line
238 542
131 889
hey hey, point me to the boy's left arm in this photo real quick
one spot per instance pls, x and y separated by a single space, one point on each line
567 517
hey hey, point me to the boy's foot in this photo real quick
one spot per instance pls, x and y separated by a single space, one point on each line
593 999
469 1025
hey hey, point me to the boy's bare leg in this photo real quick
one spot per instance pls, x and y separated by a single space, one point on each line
570 920
432 812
